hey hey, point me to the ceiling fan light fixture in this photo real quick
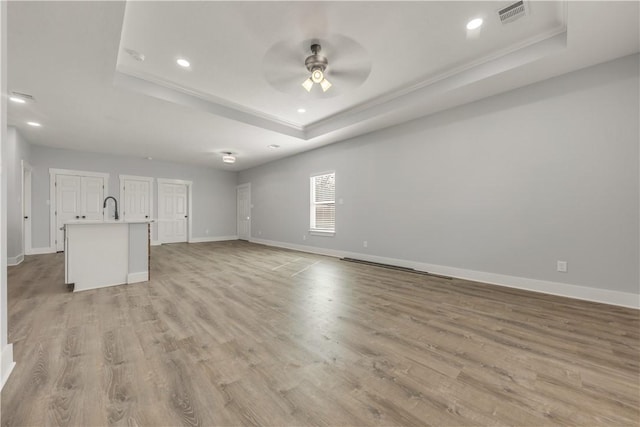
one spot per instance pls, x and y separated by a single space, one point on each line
308 84
228 158
325 85
316 64
317 75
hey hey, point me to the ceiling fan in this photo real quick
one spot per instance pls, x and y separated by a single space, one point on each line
284 66
316 64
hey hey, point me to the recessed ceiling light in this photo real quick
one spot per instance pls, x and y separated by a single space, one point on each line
301 110
474 24
183 62
34 124
273 146
149 158
17 99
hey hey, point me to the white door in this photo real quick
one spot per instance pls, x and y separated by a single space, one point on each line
172 212
26 208
243 209
91 194
68 189
77 198
136 199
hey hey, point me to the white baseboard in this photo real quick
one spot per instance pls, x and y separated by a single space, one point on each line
40 251
6 364
141 276
624 299
212 239
15 260
156 243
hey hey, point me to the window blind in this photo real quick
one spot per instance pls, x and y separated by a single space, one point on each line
323 206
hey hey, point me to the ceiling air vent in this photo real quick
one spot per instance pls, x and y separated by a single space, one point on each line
23 95
512 12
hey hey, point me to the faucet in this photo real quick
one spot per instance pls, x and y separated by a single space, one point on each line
104 205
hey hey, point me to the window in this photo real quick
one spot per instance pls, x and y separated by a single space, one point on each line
323 203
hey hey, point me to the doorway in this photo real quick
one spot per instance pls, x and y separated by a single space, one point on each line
75 196
174 207
136 197
26 207
243 209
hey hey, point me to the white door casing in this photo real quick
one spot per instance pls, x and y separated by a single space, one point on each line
243 210
74 195
174 207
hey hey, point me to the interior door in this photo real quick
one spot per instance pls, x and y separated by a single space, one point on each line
136 199
77 198
92 197
173 214
68 203
243 209
26 210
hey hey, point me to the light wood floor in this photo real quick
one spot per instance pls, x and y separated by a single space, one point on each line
234 333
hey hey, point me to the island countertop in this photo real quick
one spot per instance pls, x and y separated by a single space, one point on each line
106 253
108 221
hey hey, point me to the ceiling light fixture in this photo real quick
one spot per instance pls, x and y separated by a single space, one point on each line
183 63
316 64
273 146
34 124
301 110
474 24
17 100
228 157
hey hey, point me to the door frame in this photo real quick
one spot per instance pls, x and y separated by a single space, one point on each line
27 171
189 184
238 187
53 199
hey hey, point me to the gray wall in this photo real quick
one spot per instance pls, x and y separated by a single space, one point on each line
214 191
18 149
506 185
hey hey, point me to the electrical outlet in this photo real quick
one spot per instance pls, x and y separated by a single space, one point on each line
562 266
365 244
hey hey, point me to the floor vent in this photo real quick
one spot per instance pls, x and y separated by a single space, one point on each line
512 12
394 267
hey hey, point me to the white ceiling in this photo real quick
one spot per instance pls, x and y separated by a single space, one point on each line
389 62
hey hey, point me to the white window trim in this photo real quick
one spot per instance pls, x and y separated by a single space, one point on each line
189 184
319 231
52 197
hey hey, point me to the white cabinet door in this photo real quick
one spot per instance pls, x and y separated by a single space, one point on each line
173 214
136 199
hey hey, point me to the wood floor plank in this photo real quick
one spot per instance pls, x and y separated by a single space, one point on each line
234 333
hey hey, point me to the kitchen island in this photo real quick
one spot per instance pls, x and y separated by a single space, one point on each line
105 253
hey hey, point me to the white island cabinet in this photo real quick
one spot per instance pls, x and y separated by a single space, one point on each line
105 253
